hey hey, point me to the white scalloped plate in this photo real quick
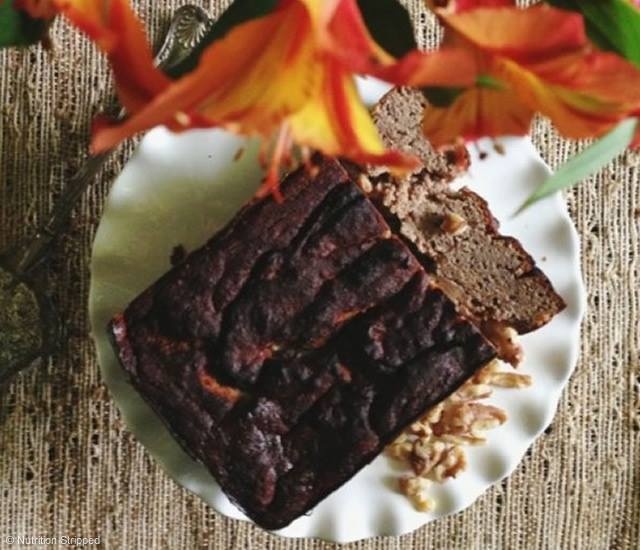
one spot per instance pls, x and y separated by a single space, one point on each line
180 189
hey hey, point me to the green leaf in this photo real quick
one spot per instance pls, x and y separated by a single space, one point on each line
488 81
440 96
390 25
613 25
17 28
238 12
586 163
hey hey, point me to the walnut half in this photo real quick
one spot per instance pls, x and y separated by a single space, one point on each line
505 339
454 224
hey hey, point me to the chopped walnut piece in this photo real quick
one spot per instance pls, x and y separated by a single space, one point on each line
411 486
454 224
423 503
454 462
482 376
400 451
510 380
471 392
491 375
464 439
420 428
505 339
466 419
426 454
365 183
414 488
433 415
433 446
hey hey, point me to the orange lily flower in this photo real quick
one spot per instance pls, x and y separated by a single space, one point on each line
526 69
287 76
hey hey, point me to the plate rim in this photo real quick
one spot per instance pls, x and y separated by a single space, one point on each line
550 411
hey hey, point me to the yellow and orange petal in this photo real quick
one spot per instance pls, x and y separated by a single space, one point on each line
603 75
269 74
585 92
248 82
262 72
525 35
336 122
585 95
477 112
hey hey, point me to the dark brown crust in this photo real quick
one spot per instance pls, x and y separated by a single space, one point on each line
321 351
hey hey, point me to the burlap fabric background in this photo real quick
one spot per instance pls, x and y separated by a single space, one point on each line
69 466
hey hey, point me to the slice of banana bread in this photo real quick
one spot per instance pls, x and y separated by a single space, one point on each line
490 276
397 116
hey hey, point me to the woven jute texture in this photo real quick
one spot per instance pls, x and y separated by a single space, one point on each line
68 465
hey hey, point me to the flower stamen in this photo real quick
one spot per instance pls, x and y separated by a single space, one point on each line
281 156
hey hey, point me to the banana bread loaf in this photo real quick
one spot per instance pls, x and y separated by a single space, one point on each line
297 343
